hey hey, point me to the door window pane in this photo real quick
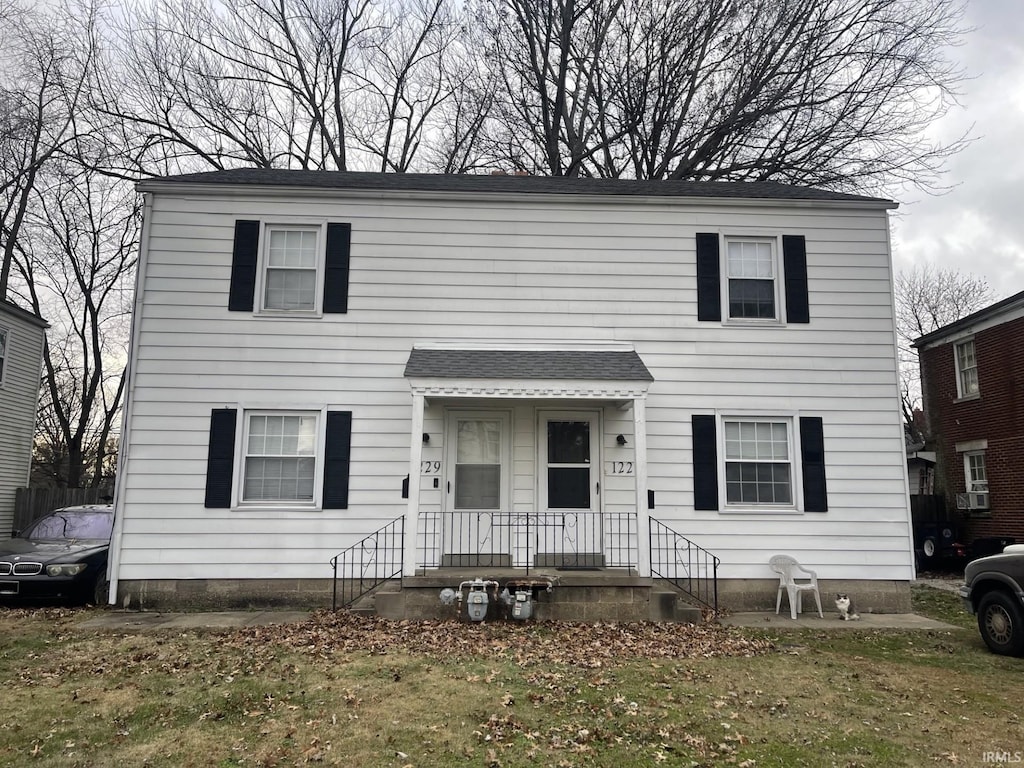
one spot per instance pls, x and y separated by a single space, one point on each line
568 488
568 442
478 464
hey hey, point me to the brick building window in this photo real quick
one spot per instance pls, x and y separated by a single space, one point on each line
966 369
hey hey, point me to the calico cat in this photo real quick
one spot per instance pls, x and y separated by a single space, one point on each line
845 607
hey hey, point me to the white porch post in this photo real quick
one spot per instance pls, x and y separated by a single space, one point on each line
643 515
412 512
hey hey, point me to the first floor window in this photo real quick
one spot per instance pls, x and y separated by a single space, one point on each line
750 268
758 462
290 278
280 457
974 470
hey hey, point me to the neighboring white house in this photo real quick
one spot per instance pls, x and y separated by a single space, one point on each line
22 335
613 355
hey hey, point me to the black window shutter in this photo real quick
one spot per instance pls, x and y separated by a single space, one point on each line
220 460
339 238
709 290
812 455
794 264
336 459
243 266
705 463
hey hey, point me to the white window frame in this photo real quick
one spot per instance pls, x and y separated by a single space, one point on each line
794 461
962 371
241 451
320 230
774 242
5 353
970 485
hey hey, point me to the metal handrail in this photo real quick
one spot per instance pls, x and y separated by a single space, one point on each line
687 566
366 565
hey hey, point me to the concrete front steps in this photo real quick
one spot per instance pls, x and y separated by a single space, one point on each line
586 596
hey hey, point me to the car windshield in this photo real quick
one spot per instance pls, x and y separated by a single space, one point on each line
72 525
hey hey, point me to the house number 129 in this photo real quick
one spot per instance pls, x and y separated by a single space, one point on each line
622 467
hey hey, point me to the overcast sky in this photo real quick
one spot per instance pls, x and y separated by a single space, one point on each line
978 227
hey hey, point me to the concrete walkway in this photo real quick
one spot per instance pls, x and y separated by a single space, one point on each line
831 621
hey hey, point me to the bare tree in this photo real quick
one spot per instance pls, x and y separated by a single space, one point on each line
45 60
318 84
76 261
832 93
928 298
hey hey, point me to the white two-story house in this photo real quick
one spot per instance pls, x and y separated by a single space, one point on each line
513 372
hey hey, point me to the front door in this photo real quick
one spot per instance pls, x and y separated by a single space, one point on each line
569 521
477 527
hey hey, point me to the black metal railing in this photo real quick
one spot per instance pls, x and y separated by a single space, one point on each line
366 565
687 566
567 539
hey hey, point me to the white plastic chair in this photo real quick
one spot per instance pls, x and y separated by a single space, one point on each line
789 569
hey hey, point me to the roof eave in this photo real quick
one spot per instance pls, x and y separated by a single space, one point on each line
1006 306
219 189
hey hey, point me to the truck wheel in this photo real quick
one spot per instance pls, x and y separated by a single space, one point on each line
1001 622
928 548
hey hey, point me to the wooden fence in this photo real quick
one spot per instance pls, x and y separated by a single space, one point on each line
32 503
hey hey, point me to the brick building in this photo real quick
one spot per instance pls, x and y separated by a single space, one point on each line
972 378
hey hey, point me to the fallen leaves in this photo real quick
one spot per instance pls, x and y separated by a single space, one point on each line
575 644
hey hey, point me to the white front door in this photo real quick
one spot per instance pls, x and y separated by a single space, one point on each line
569 526
478 459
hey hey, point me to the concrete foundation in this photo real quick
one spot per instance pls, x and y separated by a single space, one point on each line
585 596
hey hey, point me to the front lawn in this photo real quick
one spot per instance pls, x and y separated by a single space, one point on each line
348 691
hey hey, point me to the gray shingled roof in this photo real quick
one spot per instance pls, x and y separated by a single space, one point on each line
526 364
479 183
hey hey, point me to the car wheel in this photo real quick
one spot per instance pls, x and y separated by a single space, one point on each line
928 549
1001 622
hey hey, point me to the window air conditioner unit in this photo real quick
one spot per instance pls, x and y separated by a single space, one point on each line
972 500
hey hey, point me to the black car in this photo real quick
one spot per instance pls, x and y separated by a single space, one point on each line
62 555
994 590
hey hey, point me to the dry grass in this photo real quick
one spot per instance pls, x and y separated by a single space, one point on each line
348 692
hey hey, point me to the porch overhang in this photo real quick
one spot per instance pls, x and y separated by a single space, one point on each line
588 374
612 373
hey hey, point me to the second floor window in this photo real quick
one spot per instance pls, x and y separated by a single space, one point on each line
3 353
290 278
750 268
966 369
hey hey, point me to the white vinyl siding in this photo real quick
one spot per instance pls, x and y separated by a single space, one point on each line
541 272
966 369
22 355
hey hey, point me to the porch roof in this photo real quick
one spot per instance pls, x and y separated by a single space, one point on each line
575 365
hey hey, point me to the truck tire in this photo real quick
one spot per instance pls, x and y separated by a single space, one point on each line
928 549
1001 623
